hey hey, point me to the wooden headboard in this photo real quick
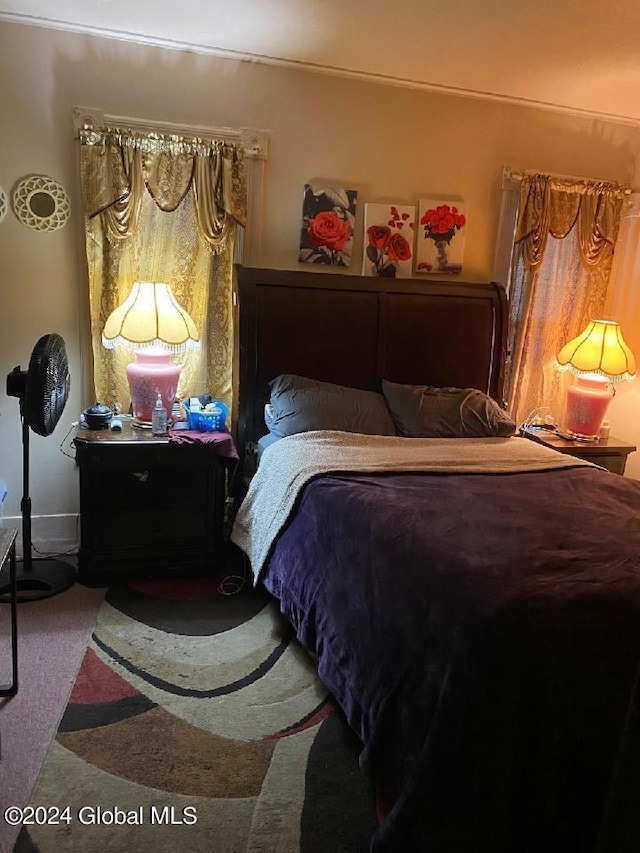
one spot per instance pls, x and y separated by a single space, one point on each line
356 330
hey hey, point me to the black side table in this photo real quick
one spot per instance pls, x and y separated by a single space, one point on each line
148 505
8 557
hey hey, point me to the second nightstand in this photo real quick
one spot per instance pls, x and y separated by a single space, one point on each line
611 452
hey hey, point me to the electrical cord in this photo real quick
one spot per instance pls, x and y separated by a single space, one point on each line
71 552
62 450
541 417
232 584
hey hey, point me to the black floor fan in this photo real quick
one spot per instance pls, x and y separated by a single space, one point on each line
42 390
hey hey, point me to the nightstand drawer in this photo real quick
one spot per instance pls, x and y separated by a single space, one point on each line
152 527
142 488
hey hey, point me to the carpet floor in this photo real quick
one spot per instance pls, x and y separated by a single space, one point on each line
52 638
197 722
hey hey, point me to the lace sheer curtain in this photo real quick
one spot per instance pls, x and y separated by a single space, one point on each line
561 262
623 301
163 208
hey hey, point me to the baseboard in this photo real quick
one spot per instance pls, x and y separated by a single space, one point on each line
51 535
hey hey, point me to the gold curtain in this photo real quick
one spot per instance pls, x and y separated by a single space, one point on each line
564 242
163 208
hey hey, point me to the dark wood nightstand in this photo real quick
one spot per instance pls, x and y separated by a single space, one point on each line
148 505
611 452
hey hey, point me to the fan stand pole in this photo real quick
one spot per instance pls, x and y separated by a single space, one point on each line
41 578
25 502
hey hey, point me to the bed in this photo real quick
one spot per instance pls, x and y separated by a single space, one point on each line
472 603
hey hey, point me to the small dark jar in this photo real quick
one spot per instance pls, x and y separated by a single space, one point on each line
98 416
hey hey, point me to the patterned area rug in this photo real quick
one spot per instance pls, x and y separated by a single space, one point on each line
198 723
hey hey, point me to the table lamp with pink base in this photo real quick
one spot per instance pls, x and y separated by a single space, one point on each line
152 323
597 357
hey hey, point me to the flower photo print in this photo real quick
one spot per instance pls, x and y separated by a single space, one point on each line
441 229
389 231
328 216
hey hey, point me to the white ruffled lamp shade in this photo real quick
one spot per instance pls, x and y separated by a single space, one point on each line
597 357
152 323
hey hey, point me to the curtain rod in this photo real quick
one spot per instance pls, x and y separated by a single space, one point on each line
509 174
253 141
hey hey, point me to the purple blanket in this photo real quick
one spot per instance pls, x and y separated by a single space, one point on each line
482 634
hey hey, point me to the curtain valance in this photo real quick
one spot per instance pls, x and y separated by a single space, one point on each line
553 206
124 163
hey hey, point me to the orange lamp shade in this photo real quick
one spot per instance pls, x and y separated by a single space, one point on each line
599 351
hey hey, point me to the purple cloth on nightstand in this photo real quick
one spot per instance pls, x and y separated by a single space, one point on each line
223 441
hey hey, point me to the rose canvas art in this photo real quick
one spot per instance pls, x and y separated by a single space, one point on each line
328 216
388 240
440 243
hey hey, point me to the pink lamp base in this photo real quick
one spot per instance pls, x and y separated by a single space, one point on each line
587 404
151 373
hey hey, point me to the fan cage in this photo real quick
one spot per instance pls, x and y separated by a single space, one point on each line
48 384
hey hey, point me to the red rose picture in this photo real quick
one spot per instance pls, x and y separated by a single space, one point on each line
388 240
440 244
328 216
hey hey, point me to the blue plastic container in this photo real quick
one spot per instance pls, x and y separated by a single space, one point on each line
213 421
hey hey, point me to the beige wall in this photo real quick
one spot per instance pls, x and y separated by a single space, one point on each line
389 143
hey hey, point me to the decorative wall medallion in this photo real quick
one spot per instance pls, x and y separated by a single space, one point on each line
41 203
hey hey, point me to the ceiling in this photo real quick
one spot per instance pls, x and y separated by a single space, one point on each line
578 56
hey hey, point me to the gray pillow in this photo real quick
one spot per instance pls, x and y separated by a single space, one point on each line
422 411
300 404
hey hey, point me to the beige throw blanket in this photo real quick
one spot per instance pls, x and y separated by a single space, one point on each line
288 464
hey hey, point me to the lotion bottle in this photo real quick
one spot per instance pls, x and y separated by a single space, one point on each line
159 418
